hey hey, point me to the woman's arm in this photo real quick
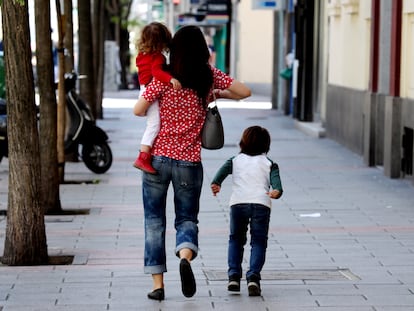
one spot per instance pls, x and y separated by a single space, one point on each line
140 108
237 90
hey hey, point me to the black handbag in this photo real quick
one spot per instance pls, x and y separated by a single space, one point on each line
212 134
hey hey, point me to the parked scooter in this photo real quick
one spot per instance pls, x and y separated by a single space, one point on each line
96 153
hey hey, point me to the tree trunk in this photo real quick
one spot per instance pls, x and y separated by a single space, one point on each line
73 155
119 11
61 107
98 21
68 39
25 241
86 53
48 109
124 56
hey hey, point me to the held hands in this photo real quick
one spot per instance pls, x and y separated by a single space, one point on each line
176 84
274 194
215 189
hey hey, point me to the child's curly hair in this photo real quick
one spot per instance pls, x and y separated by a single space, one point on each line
255 141
155 37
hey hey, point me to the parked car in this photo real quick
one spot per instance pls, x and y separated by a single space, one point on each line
2 79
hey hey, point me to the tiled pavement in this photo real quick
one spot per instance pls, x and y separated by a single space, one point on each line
341 237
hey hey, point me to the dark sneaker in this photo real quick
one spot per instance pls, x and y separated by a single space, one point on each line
188 284
254 288
234 284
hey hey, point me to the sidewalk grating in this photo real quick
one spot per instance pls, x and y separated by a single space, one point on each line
297 274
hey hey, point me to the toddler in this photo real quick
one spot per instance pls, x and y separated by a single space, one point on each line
256 181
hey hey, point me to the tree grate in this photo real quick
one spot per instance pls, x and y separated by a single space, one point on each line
292 274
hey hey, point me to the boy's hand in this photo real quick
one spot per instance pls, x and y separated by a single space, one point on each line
176 84
215 189
274 194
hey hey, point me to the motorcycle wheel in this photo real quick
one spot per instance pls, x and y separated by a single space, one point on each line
97 157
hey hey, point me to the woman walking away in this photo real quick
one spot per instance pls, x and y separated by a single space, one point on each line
256 180
176 154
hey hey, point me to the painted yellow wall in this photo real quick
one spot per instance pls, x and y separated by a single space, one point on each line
407 48
349 44
255 44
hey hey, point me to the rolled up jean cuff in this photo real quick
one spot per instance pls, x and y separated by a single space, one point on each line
155 269
189 245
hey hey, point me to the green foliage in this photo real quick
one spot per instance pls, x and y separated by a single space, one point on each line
119 13
20 2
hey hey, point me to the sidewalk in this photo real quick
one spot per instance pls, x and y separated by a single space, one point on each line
341 236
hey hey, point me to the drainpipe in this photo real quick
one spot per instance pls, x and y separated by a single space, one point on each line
375 29
370 105
393 106
234 42
395 67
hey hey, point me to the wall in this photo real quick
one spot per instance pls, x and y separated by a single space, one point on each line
255 44
407 48
371 122
349 43
348 71
344 116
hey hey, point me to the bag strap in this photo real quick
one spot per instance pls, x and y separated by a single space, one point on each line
213 103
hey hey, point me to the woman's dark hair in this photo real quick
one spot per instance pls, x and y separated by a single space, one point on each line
189 57
255 140
155 37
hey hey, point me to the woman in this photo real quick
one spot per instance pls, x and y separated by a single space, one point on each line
177 154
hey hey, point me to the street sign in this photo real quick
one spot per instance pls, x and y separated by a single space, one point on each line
268 5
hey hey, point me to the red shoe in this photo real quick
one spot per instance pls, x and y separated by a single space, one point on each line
143 162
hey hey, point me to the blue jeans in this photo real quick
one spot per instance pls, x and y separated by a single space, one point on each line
240 216
187 179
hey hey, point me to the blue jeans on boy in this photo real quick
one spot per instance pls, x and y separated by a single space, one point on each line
240 216
187 179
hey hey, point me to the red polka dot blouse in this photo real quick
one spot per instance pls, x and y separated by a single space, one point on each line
182 117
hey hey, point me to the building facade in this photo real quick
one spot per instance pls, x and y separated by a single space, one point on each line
352 68
355 75
370 81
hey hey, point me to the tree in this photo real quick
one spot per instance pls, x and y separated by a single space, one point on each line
25 241
61 107
86 53
68 39
109 20
99 29
48 110
119 11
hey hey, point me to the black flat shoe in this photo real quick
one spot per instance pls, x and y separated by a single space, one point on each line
157 294
188 285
